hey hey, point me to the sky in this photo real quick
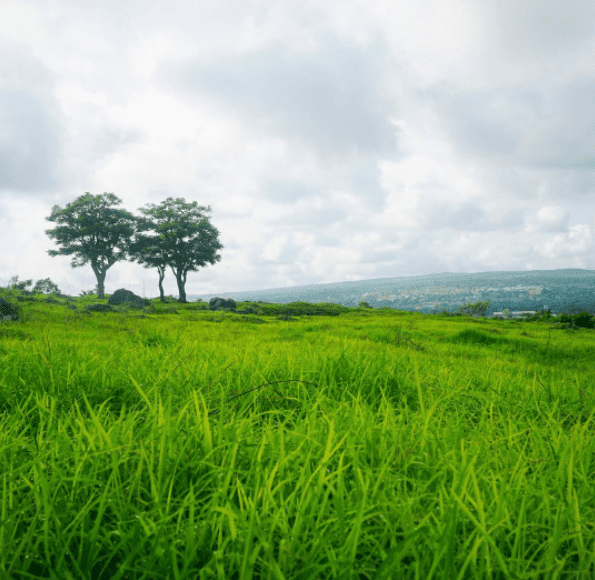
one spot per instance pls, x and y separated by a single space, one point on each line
334 141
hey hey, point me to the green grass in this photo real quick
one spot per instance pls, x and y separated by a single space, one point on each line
329 442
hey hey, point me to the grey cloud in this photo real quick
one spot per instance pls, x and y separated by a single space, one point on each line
438 213
108 140
288 252
474 124
569 185
31 123
365 183
311 218
361 179
331 100
287 191
567 129
467 216
539 28
554 127
412 260
29 143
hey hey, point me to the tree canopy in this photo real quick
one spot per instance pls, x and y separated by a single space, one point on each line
103 235
173 221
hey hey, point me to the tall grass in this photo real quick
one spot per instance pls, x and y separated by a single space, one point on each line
300 441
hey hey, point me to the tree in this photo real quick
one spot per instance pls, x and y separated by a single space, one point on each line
477 308
92 231
45 287
176 220
41 286
160 264
14 284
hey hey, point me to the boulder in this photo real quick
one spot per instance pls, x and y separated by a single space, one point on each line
8 311
222 303
128 298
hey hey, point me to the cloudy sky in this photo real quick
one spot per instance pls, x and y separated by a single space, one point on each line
334 141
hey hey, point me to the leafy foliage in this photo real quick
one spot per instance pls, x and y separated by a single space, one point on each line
97 233
92 231
478 308
580 320
41 286
175 221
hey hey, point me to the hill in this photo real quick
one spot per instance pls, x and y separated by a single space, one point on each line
569 290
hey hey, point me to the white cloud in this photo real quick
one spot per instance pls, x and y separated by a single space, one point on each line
334 141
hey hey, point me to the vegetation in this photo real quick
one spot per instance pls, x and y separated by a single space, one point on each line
293 441
98 234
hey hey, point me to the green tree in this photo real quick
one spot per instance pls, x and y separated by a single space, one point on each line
14 284
92 231
102 235
476 308
41 286
174 221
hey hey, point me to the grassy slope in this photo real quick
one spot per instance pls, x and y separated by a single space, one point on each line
182 443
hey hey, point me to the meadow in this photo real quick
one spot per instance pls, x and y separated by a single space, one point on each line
300 441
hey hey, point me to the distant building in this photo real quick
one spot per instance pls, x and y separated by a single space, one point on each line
517 313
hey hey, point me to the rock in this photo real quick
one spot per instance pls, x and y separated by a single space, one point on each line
8 311
128 298
221 303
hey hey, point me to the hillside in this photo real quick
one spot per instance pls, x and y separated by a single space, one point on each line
569 290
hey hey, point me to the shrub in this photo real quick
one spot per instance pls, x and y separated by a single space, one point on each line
41 286
14 284
583 320
580 320
478 308
45 287
563 317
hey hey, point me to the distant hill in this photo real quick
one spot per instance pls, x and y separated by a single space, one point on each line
571 291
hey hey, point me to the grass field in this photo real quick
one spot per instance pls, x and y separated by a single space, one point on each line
299 442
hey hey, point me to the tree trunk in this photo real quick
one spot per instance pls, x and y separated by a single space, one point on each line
182 297
181 280
161 277
100 281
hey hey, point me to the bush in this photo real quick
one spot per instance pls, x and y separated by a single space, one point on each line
41 286
45 287
14 284
580 320
583 320
478 308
